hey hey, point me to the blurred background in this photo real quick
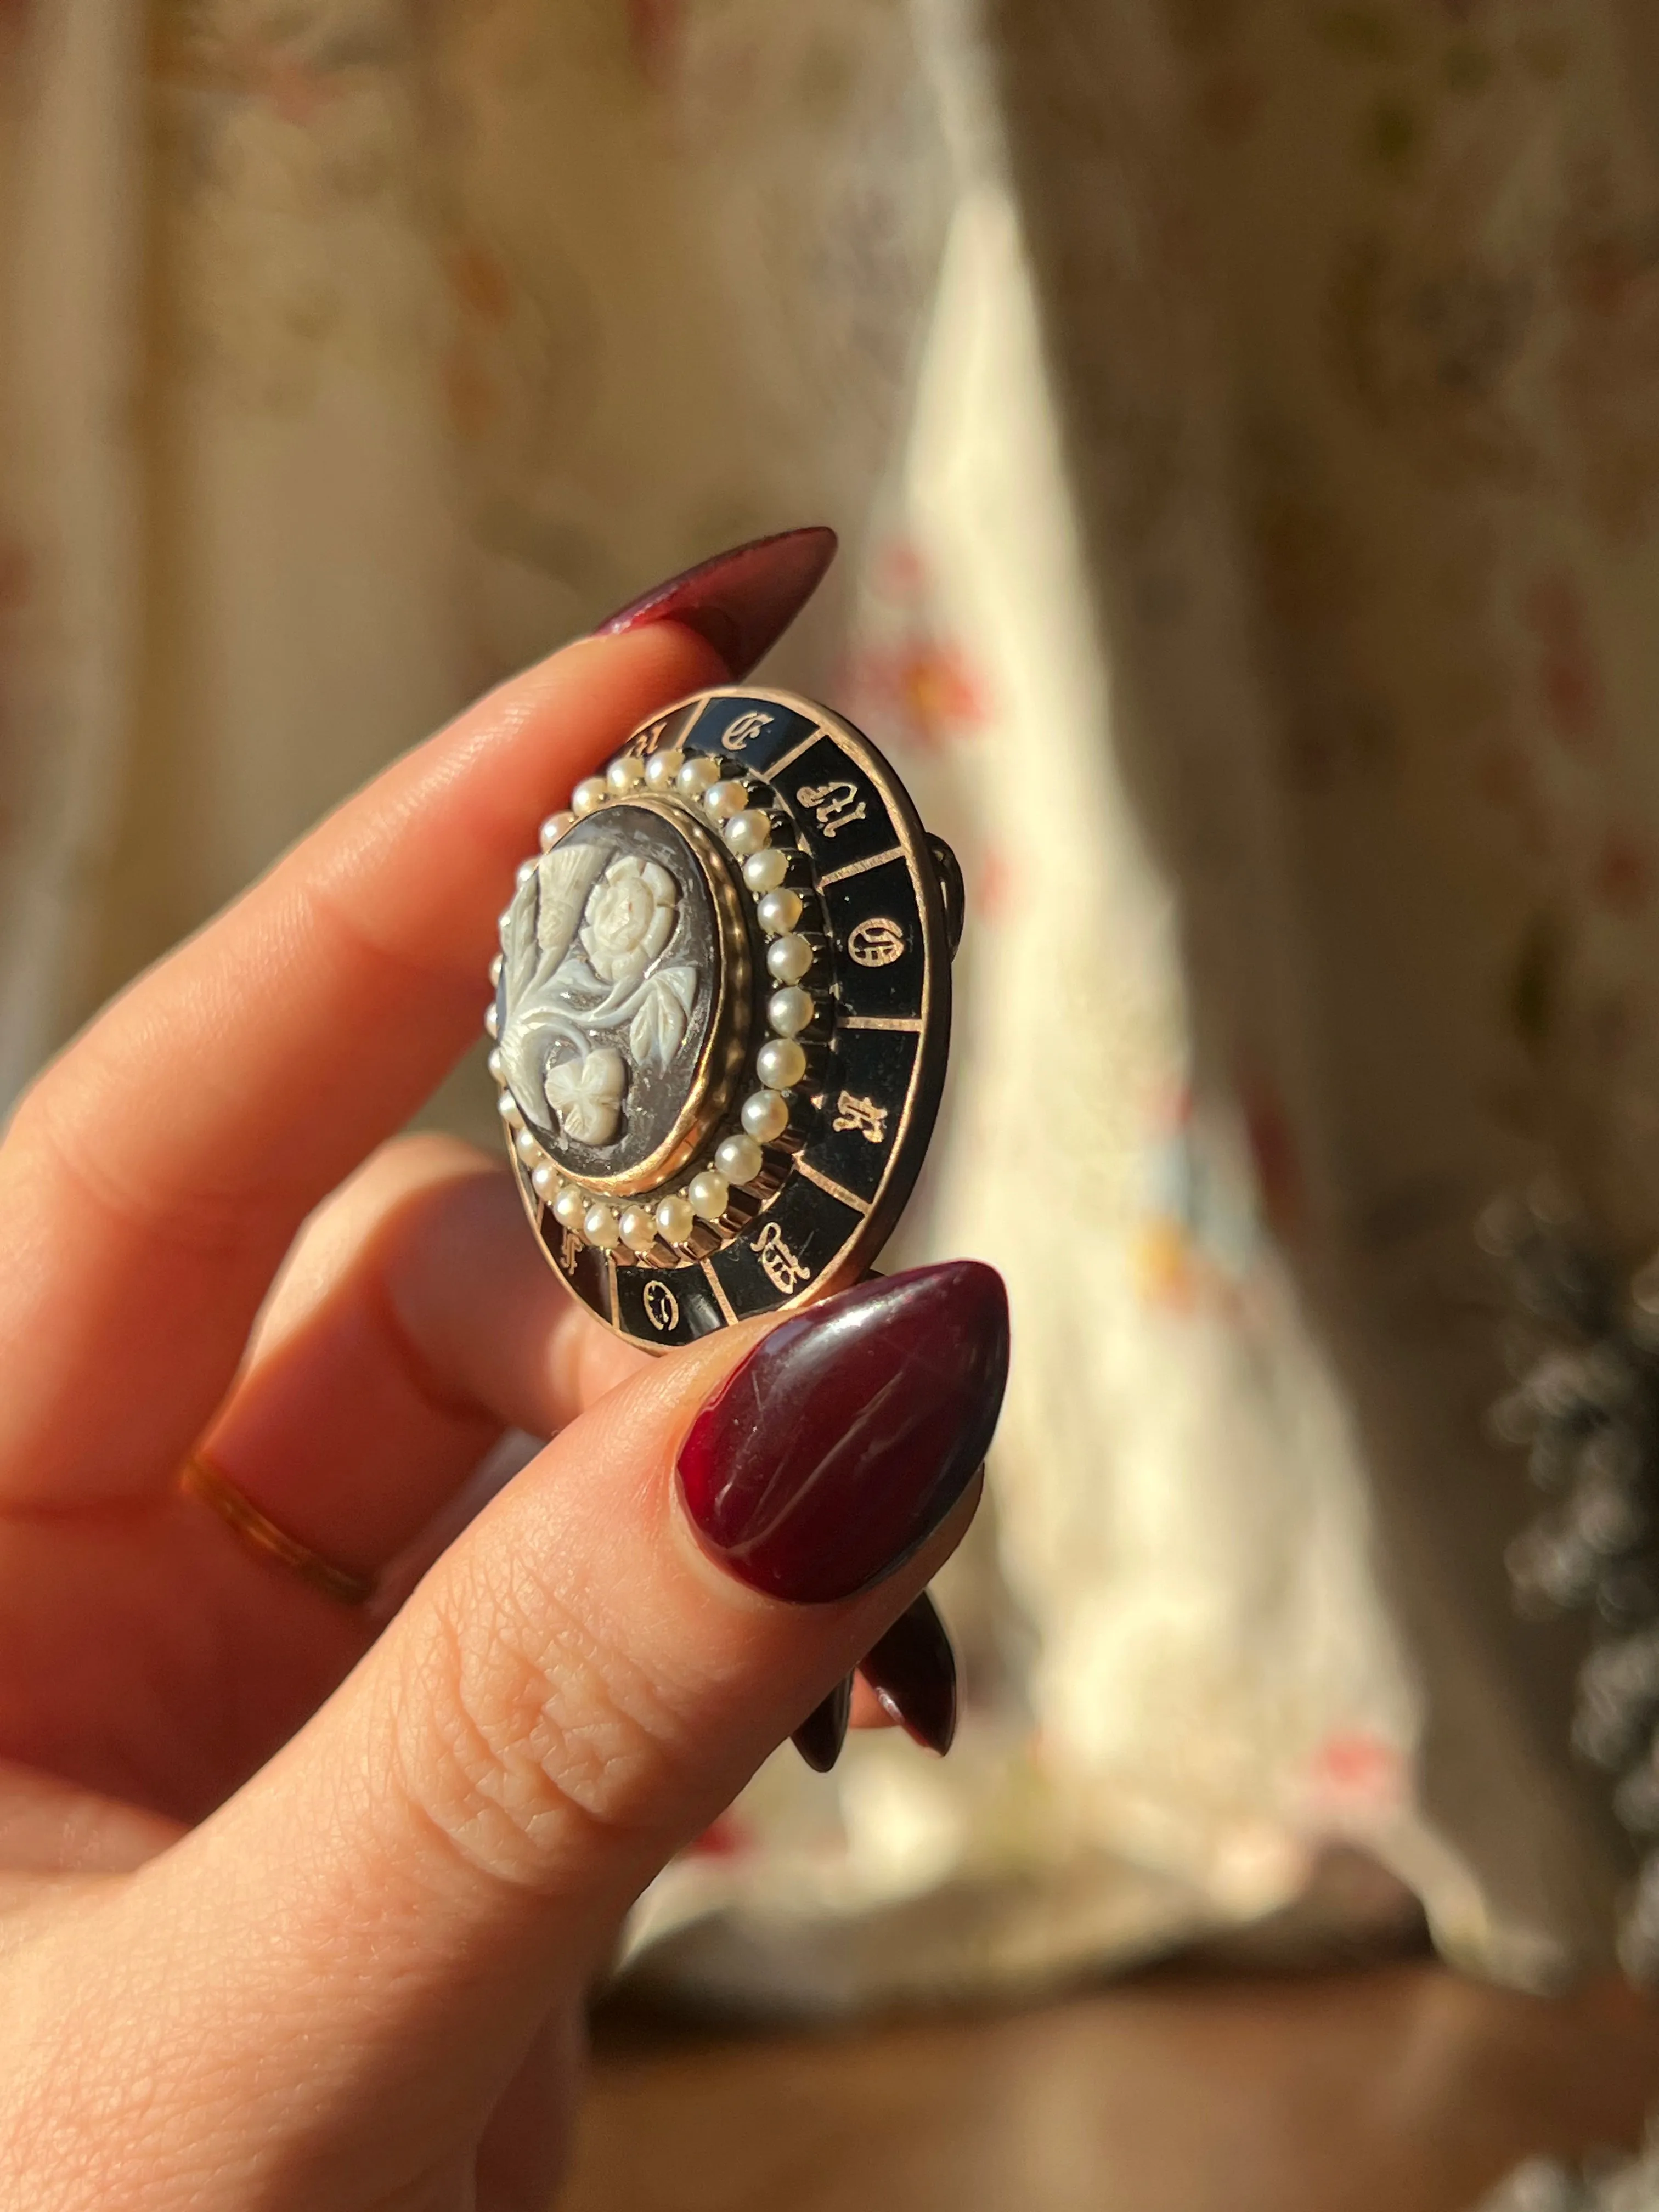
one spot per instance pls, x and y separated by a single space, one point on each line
1242 419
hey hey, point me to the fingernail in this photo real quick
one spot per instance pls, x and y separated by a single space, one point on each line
822 1734
912 1670
742 601
849 1432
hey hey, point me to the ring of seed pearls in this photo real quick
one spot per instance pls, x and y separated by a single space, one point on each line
696 781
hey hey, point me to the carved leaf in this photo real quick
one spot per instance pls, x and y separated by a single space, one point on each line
683 983
566 875
659 1027
521 944
521 1061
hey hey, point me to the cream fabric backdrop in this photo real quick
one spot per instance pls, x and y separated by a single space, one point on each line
1242 424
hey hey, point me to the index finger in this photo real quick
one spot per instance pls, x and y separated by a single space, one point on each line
155 1175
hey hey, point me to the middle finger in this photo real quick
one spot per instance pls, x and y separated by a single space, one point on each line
413 1324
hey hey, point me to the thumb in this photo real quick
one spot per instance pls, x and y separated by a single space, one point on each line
368 1936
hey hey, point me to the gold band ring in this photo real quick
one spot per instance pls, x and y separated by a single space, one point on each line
200 1477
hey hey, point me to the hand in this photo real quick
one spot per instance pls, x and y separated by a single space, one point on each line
292 1915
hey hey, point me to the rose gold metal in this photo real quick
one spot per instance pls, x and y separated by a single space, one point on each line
199 1478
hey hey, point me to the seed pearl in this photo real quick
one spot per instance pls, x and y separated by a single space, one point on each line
723 800
492 1019
778 911
624 772
788 959
525 1147
764 871
599 1227
676 1220
554 826
495 969
662 767
739 1160
526 869
748 832
780 1064
494 1064
543 1178
507 1106
639 1230
709 1194
589 795
789 1012
765 1115
569 1206
697 774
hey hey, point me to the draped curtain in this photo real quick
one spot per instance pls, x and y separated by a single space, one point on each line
1241 422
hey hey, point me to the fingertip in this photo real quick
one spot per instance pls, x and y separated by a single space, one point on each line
739 601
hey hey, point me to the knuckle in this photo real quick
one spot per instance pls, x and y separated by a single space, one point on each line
203 1217
536 1734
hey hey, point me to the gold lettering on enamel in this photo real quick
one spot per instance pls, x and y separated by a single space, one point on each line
662 1307
835 807
739 732
862 1115
783 1270
876 942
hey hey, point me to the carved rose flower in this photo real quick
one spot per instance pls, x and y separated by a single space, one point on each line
629 918
586 1096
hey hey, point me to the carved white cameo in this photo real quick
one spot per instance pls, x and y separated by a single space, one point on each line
593 998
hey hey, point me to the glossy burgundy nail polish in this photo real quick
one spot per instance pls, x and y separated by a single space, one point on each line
912 1670
822 1734
742 601
849 1432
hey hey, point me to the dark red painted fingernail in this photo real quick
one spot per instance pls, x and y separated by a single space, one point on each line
742 601
822 1734
848 1433
912 1670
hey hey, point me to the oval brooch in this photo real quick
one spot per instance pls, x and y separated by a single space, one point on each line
721 1016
